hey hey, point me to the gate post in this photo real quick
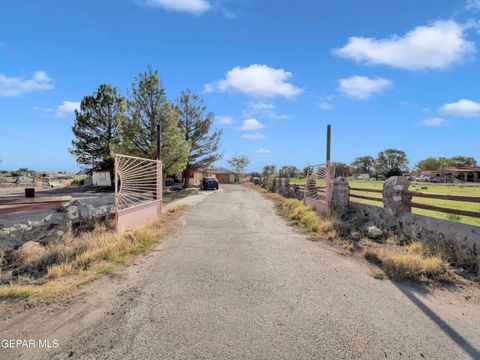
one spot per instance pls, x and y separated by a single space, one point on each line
160 183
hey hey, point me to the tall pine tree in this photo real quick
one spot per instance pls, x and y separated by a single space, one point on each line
148 106
196 123
96 128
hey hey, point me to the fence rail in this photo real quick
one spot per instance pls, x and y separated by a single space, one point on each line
366 197
474 199
442 209
13 205
408 195
367 190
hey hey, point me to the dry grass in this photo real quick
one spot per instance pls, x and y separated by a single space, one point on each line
319 227
396 257
66 264
411 262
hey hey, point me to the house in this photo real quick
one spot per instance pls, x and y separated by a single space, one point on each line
454 174
224 176
196 176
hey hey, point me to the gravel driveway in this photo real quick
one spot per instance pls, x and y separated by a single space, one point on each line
238 283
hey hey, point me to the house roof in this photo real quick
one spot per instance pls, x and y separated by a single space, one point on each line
222 170
469 169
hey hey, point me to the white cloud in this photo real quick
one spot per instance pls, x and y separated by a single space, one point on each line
16 86
324 105
362 88
224 120
263 109
251 124
67 107
195 7
257 81
426 47
254 136
461 108
433 122
262 151
472 5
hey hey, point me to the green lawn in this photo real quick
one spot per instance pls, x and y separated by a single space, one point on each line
450 189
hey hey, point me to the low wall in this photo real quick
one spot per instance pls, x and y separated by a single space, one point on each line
396 215
70 219
424 228
282 186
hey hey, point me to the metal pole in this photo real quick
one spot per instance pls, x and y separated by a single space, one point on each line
158 141
116 191
329 136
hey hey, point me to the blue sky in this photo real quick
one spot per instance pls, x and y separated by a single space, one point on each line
402 74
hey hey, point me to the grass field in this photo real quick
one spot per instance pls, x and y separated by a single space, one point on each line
449 189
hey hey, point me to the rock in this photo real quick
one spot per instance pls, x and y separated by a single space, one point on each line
72 212
355 236
86 211
373 232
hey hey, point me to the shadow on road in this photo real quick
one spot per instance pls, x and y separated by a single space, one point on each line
447 329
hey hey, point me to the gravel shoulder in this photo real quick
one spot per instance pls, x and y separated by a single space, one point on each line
237 282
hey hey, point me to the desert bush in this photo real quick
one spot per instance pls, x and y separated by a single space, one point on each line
307 218
30 253
411 262
457 257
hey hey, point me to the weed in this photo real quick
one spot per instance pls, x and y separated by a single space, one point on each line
47 272
411 262
372 257
453 217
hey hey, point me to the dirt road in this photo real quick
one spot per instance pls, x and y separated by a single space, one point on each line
236 282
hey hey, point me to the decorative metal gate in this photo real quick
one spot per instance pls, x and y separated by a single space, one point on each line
318 190
138 190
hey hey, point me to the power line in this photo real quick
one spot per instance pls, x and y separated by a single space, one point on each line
16 137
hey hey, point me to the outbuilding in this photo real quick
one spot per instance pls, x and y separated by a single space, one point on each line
224 176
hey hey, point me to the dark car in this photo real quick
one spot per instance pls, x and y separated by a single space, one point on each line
210 183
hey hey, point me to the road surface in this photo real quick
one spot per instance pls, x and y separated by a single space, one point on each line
237 282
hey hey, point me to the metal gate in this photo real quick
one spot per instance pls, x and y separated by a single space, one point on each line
318 190
138 190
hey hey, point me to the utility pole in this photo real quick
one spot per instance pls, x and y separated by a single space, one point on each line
329 138
158 141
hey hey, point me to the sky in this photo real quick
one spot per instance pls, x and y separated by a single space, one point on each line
398 74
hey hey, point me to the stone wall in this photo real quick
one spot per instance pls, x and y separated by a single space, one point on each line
396 216
70 219
282 186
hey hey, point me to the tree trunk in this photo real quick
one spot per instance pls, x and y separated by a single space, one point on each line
186 178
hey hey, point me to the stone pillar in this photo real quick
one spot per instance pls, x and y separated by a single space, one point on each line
465 175
475 177
286 187
395 199
340 196
277 183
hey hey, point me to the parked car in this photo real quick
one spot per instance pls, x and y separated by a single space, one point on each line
210 183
